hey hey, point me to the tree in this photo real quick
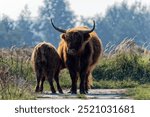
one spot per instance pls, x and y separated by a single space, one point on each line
60 12
23 27
122 21
6 29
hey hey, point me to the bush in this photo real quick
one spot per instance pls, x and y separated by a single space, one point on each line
123 66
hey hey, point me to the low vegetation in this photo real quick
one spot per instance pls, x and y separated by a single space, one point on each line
14 83
124 67
116 70
16 76
141 92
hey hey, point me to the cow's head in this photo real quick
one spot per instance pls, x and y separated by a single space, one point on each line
75 38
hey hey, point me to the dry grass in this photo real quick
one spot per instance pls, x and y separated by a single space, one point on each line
127 46
15 74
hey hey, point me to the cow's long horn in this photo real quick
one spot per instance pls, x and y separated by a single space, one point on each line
89 31
58 29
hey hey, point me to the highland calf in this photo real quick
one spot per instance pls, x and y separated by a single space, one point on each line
79 49
46 64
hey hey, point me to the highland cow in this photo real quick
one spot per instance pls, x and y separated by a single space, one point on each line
79 49
46 64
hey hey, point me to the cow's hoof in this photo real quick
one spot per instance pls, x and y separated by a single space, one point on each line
82 92
73 92
53 92
41 90
61 92
86 92
37 90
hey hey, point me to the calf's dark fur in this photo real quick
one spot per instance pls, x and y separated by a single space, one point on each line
46 64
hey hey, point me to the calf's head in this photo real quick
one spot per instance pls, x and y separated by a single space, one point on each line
75 38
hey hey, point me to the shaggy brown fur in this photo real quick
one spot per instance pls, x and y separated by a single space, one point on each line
46 64
79 52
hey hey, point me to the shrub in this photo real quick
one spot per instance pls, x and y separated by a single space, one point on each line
123 66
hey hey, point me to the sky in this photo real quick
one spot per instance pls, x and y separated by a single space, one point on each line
12 8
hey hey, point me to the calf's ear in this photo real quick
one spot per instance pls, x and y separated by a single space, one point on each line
63 36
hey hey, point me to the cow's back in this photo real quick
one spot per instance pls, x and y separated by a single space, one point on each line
96 45
45 57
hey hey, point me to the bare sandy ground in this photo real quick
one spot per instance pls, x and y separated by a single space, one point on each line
93 94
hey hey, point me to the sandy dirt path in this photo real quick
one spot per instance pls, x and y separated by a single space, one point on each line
93 94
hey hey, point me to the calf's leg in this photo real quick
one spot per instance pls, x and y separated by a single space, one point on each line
38 78
57 82
50 80
42 82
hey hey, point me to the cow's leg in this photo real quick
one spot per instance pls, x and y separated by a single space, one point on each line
85 61
74 78
84 77
50 80
42 82
87 82
72 64
82 82
56 77
38 78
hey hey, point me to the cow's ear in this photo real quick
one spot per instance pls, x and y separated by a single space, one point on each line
86 36
63 36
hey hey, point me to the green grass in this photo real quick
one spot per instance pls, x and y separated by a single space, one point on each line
16 93
81 96
141 92
65 80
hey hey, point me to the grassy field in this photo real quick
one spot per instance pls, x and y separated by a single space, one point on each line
120 70
141 92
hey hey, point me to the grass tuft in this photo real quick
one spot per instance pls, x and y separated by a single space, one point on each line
140 93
